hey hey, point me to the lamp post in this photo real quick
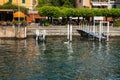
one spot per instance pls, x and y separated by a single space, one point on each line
18 17
33 5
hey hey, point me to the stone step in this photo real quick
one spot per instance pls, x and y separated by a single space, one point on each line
52 30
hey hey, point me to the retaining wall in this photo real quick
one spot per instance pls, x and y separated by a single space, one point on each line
12 32
52 31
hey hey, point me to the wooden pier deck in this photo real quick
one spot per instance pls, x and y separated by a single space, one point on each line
93 34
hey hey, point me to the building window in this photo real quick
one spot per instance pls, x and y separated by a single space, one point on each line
114 6
112 0
79 1
10 1
23 1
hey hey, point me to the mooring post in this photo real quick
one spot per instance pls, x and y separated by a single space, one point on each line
108 30
44 34
37 33
70 32
25 33
94 27
100 30
68 35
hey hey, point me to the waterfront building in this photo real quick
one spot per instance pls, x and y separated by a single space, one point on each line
31 16
30 4
98 3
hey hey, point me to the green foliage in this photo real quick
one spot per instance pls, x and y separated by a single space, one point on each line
117 24
16 22
97 12
42 3
105 12
67 12
59 3
115 12
89 12
79 12
85 12
62 12
47 23
11 6
67 4
49 11
55 2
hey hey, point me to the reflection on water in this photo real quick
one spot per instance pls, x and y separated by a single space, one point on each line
54 60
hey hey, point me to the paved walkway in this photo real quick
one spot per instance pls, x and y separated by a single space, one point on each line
52 31
62 30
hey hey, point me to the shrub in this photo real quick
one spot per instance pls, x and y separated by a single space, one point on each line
22 23
117 24
47 23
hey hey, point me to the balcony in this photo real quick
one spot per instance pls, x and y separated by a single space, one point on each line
99 3
32 12
112 1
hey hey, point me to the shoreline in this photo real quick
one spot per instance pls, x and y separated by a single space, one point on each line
62 31
58 31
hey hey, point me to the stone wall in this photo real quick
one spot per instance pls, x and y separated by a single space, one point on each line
52 31
12 32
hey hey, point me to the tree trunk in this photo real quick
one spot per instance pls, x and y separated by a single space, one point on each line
77 4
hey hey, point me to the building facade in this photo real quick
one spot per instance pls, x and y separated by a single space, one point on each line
30 4
31 16
98 3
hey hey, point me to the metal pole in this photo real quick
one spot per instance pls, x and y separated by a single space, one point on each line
25 33
100 30
33 11
68 36
108 30
44 34
18 19
70 32
94 27
37 34
102 27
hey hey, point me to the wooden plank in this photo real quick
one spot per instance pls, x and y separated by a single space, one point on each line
94 35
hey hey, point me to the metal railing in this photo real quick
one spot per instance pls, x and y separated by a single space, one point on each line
99 2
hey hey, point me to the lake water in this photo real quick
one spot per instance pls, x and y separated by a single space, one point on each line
54 60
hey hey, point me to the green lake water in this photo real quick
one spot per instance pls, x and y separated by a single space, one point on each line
55 60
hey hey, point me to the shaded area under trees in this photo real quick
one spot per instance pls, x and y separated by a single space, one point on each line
66 14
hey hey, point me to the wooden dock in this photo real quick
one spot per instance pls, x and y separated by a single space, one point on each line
94 35
96 31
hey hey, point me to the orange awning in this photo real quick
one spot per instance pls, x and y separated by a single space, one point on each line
18 14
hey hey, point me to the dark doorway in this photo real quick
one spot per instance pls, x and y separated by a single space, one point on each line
6 16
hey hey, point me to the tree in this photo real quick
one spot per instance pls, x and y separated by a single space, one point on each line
115 14
56 2
50 12
12 6
97 12
43 3
67 4
59 3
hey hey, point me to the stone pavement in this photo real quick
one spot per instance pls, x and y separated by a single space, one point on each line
62 30
52 31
